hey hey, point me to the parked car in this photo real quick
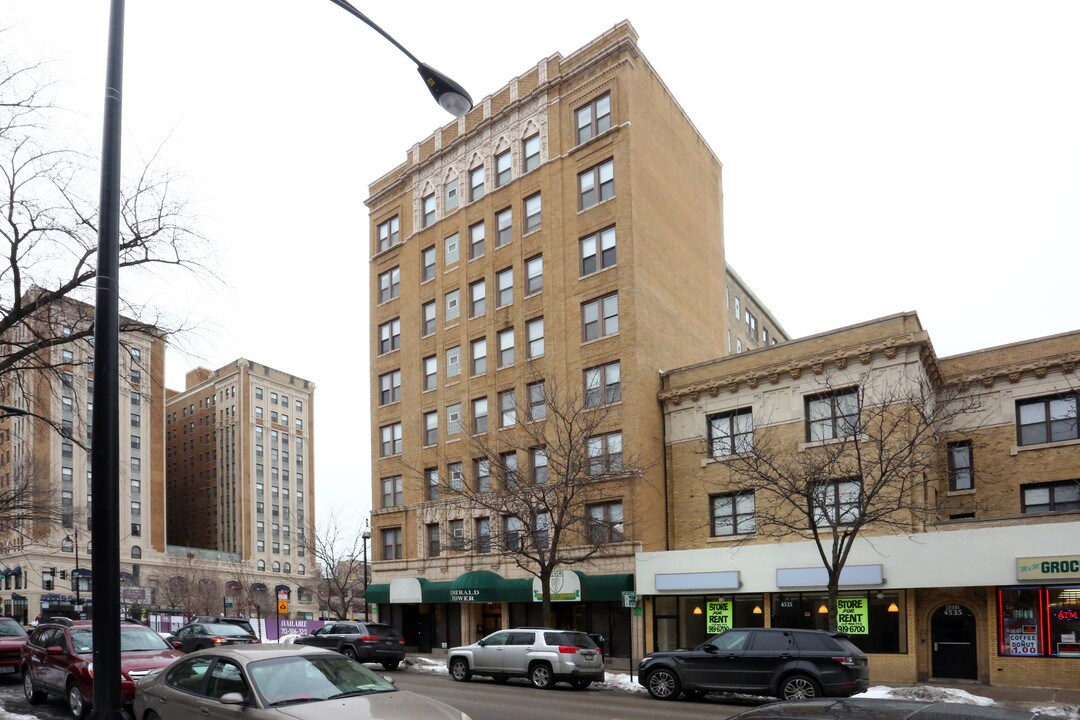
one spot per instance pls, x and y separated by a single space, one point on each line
239 622
264 682
199 636
58 659
543 655
880 709
12 638
787 663
363 641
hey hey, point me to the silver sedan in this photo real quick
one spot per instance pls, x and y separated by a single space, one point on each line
283 682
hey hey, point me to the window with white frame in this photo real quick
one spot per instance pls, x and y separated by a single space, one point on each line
453 361
480 416
451 249
390 440
427 319
457 477
732 514
604 453
482 470
431 483
476 183
596 185
431 372
532 214
476 240
504 287
392 491
389 336
506 347
427 204
534 275
603 384
539 461
479 356
507 409
391 544
503 168
504 227
431 428
477 298
453 419
389 284
427 264
389 233
531 148
534 332
390 387
731 433
600 317
453 305
594 118
598 251
537 401
508 469
451 194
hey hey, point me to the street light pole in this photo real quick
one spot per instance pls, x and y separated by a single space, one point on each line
76 577
105 449
367 609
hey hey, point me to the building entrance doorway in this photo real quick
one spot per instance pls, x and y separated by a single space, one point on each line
952 634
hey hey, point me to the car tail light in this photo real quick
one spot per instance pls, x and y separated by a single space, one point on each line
218 640
370 638
568 649
848 661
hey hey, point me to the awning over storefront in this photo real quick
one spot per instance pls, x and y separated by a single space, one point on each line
476 586
258 586
378 594
606 587
418 590
576 586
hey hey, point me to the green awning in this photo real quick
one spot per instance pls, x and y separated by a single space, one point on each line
436 592
605 587
476 586
516 590
378 593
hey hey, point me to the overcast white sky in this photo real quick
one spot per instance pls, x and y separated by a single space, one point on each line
878 157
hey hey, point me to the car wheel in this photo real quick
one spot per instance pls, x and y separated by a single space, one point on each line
392 665
75 701
540 676
33 695
799 687
580 684
349 652
663 684
694 694
459 670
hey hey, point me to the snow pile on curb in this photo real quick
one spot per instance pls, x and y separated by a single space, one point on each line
5 714
424 664
927 693
1068 712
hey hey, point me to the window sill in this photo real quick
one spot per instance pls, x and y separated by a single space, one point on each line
535 230
452 325
599 339
723 459
956 493
729 539
594 273
598 204
385 354
832 441
1043 446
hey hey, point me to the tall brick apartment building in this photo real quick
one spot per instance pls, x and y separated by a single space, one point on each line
987 587
567 231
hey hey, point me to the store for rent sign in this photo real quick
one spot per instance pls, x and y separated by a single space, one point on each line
718 617
853 616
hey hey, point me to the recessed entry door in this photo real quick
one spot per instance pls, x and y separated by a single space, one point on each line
952 632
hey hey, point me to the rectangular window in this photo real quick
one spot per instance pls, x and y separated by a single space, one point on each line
1050 497
507 409
477 298
511 533
534 275
1021 628
503 168
389 234
479 416
837 503
600 317
483 535
594 118
451 247
391 491
606 522
431 372
539 461
428 205
732 514
433 534
1046 419
534 332
427 319
392 549
389 336
598 251
453 419
479 356
532 214
451 195
431 428
476 183
506 348
537 401
431 483
453 305
504 287
542 532
531 147
596 185
136 420
389 284
508 469
457 534
603 385
390 440
961 472
504 227
604 453
482 468
731 433
751 325
457 477
453 361
390 387
427 262
832 415
476 240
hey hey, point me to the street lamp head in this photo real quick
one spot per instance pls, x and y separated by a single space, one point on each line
453 98
366 535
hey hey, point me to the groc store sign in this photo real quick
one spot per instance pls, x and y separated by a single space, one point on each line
1053 569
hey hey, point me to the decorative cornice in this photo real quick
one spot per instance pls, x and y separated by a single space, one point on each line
1065 363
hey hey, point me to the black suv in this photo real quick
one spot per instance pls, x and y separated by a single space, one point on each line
238 622
363 641
788 663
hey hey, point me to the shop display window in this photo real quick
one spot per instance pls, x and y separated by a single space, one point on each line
1063 621
1039 622
875 622
1019 631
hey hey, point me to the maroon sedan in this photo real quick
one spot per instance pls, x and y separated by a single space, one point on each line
12 638
58 659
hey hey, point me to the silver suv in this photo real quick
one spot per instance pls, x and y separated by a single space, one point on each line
543 655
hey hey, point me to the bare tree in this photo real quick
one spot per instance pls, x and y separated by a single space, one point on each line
28 506
869 463
190 586
342 570
544 519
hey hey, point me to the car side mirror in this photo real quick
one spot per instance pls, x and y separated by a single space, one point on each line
54 650
231 698
177 645
710 648
481 643
389 680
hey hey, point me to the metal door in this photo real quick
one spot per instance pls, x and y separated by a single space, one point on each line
952 634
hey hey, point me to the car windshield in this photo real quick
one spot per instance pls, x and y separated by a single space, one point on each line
132 639
300 678
10 628
225 629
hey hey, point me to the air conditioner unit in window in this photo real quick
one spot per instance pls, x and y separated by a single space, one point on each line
459 532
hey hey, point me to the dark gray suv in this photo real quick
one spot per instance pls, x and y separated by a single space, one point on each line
787 663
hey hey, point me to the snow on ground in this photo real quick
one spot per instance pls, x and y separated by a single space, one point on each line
1058 711
288 638
6 715
926 692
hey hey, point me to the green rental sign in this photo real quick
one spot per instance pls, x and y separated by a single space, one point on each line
718 618
853 616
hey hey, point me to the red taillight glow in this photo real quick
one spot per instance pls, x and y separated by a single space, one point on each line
370 638
845 660
218 640
568 649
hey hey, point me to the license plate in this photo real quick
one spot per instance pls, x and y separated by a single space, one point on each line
7 669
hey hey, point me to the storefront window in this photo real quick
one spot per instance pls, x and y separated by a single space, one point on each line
874 624
1019 621
667 623
1064 622
703 616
